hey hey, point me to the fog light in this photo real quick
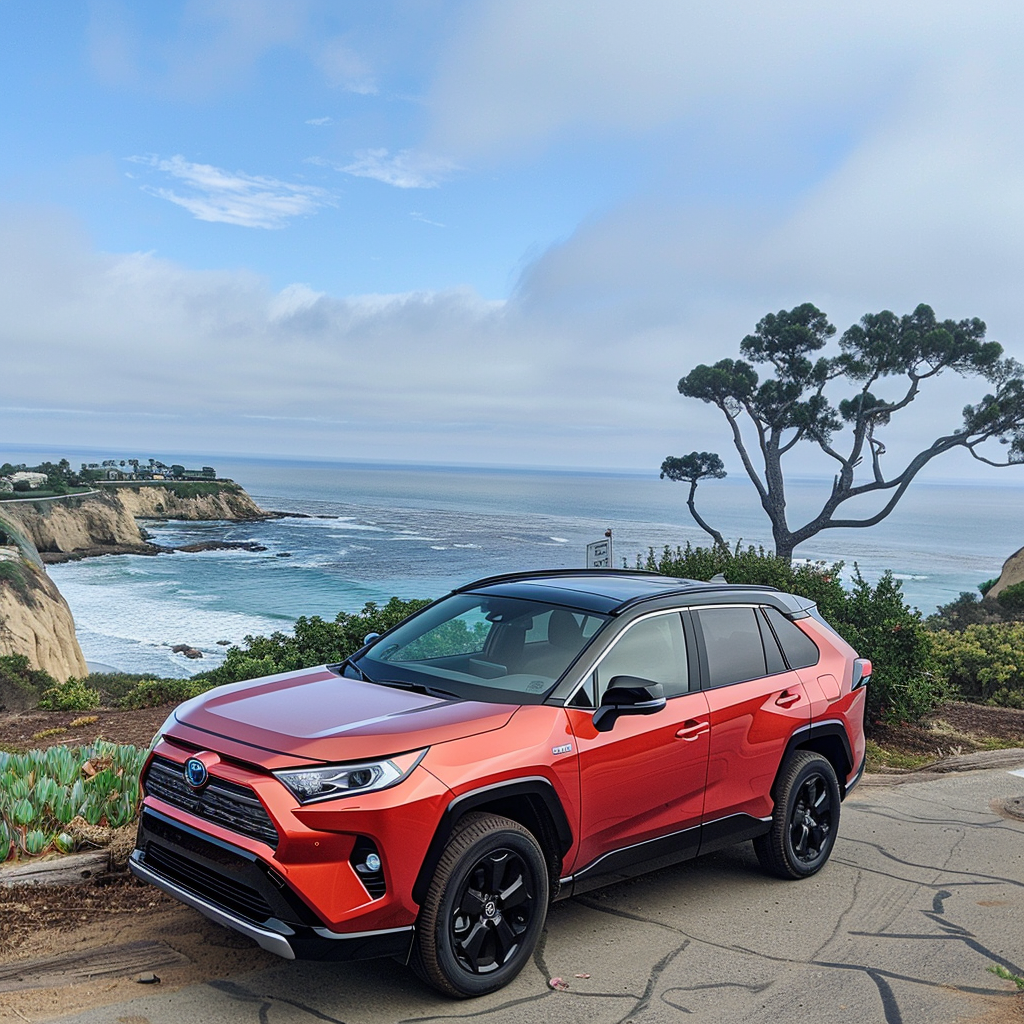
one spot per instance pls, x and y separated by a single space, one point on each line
373 862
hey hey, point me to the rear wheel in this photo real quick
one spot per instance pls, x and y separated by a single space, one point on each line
484 910
806 818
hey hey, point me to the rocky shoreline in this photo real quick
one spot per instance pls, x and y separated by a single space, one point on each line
35 621
146 548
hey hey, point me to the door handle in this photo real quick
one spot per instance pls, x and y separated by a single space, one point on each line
787 699
693 729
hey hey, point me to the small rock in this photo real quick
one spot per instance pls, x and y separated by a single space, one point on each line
149 978
223 643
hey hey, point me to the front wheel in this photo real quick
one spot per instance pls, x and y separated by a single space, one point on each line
484 910
805 820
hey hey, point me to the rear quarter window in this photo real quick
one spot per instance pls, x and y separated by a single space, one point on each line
800 650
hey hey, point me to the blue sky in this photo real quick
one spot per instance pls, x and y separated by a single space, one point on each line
480 232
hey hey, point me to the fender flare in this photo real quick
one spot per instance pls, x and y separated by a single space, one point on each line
833 727
535 786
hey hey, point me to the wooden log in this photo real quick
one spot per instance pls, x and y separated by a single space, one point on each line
72 869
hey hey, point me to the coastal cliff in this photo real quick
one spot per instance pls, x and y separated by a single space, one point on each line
34 618
1013 572
105 522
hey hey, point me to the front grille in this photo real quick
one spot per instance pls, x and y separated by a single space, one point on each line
225 803
215 887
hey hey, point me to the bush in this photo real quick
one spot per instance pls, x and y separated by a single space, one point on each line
876 621
20 685
879 625
71 695
984 662
313 641
1012 597
151 693
817 581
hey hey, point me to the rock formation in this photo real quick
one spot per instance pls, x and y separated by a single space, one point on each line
34 618
104 523
1013 572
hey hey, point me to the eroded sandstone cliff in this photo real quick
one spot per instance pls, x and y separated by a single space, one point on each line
34 618
105 522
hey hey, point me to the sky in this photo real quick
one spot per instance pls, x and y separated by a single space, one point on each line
483 232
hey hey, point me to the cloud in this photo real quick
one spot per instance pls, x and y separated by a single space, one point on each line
344 68
406 169
210 46
222 197
319 122
424 219
519 76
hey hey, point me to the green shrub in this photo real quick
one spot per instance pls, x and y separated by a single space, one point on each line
71 695
984 663
876 621
879 625
987 586
20 685
151 693
113 686
313 641
1012 597
818 581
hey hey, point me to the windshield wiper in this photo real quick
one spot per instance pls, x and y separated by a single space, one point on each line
430 691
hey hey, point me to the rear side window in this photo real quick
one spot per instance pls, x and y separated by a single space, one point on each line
800 650
732 641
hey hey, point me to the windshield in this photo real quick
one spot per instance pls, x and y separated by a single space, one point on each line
497 649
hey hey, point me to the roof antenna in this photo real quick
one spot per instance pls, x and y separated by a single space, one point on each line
718 578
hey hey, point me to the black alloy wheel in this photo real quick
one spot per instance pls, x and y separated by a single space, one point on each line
485 908
810 823
805 820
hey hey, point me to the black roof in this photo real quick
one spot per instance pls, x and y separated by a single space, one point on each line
610 591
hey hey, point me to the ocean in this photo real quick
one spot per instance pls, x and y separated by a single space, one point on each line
380 530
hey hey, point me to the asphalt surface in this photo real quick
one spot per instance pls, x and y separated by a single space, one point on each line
924 893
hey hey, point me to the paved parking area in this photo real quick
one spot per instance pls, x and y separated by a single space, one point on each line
924 893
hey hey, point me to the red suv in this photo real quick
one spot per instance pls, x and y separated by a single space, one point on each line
525 738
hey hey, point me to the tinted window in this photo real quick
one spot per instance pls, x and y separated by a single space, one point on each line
799 648
653 649
772 653
732 640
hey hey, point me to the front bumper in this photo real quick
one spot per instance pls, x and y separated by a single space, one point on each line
234 888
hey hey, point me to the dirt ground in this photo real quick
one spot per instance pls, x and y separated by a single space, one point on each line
58 921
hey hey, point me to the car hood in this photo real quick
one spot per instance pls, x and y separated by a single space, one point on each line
319 715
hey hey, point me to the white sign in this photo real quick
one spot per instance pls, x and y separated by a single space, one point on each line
599 554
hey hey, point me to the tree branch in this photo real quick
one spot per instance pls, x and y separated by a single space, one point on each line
699 519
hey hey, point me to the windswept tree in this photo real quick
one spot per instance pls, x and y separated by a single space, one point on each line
769 418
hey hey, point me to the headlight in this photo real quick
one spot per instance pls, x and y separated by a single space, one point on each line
337 780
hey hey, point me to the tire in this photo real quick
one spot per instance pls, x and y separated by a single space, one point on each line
484 910
805 821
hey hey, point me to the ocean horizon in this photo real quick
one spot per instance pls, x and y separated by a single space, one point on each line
378 530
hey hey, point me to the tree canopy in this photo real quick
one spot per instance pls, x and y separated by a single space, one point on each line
768 418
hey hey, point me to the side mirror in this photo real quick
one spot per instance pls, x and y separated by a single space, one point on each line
369 638
628 695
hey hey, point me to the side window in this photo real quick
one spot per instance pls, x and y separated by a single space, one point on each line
800 650
653 648
772 653
732 640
